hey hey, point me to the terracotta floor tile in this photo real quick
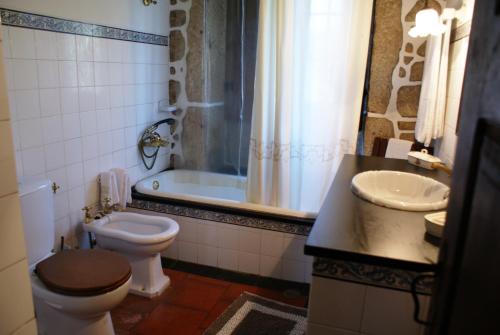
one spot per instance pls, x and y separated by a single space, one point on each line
235 290
171 320
197 294
209 280
216 311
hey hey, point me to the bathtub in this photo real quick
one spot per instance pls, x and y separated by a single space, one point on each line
221 191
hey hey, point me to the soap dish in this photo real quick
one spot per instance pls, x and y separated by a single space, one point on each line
434 223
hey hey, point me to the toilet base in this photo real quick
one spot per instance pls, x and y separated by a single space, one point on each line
148 279
51 321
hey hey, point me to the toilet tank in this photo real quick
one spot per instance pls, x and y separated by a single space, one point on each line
37 207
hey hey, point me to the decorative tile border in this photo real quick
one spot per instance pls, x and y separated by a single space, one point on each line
41 22
211 215
370 275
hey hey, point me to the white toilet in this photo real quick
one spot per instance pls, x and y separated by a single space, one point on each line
65 308
140 238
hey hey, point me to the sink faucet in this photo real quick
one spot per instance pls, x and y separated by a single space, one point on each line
442 167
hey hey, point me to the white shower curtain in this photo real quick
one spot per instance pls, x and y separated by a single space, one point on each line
432 104
311 61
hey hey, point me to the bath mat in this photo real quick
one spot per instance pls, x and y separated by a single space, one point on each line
254 315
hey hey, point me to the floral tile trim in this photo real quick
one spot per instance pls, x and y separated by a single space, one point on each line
370 275
41 22
240 220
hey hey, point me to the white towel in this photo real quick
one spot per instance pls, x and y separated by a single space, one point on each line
124 187
109 187
397 148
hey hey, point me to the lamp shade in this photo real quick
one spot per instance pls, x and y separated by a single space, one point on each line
427 22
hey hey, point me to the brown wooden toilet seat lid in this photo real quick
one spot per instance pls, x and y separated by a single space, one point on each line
84 272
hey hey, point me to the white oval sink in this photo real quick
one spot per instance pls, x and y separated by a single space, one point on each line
401 190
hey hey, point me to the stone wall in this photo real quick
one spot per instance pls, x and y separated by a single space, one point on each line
396 71
197 59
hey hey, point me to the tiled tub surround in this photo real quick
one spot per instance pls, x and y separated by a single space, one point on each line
78 104
238 247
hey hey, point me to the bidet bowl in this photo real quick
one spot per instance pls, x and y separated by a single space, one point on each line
401 190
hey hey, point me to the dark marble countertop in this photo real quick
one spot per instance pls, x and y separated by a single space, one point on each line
350 228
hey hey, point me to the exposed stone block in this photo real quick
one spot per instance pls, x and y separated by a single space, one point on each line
417 70
376 127
177 18
177 45
407 101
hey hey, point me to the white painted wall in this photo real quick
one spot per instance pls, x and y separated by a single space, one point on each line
16 307
126 14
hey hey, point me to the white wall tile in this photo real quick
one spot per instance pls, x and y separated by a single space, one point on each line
101 74
85 73
100 49
207 233
188 229
105 144
115 73
52 129
50 102
228 236
15 294
69 100
90 147
188 251
68 74
45 44
24 74
388 312
22 43
115 96
249 241
88 123
54 155
294 247
119 159
84 48
75 175
27 104
33 161
59 177
207 255
73 151
117 118
227 259
71 126
86 97
270 266
91 170
294 270
76 198
61 205
336 303
66 46
272 243
48 73
248 262
104 120
118 139
101 97
172 251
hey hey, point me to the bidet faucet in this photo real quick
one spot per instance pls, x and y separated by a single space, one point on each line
108 207
88 217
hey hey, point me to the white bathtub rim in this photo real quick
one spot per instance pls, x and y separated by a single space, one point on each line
232 204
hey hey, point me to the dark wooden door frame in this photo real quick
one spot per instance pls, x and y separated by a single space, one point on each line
480 112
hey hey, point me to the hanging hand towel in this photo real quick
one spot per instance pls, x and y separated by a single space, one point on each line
109 187
124 187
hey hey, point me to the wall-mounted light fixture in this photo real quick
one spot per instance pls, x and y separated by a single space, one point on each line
427 22
149 2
